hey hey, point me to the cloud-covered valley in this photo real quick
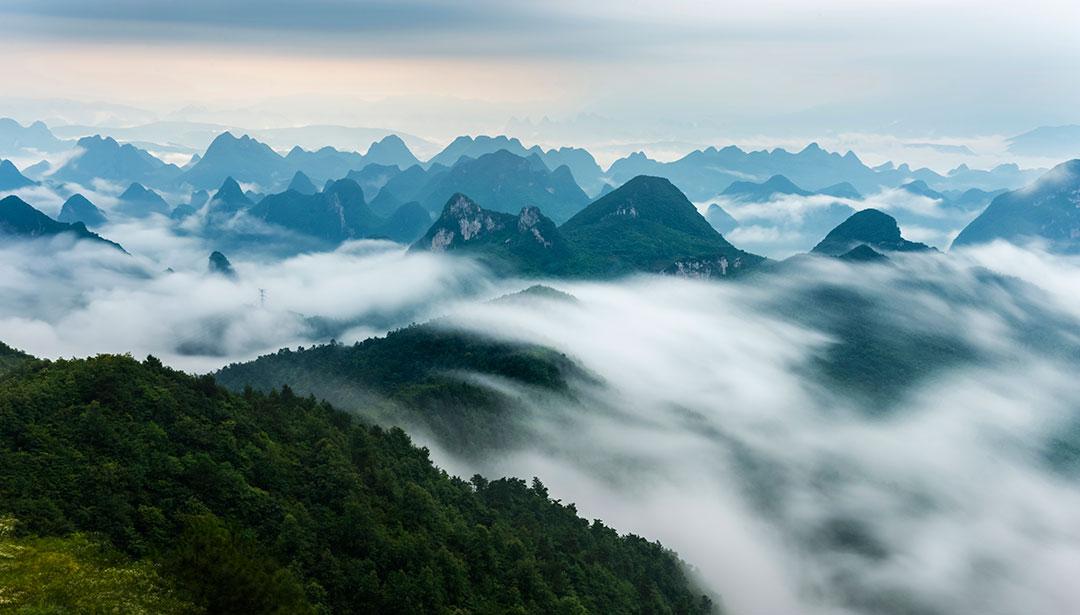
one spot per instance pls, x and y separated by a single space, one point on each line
877 439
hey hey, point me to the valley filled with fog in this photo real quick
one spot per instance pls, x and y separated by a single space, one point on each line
828 437
288 367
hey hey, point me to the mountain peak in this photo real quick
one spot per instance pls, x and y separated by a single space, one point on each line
134 192
750 191
11 178
230 191
218 264
302 183
870 227
79 209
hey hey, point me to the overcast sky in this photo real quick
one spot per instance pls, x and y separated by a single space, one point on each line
780 66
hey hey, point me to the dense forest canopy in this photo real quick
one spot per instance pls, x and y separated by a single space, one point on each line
172 494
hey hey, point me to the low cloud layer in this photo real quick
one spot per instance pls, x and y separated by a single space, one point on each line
790 224
825 439
755 429
61 298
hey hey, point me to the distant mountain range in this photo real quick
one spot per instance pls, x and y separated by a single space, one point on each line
17 139
1047 210
587 173
703 174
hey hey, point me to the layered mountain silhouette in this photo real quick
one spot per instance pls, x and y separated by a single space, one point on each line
390 151
15 138
842 190
702 173
337 214
11 178
1047 210
251 161
869 228
227 202
105 158
242 158
586 172
405 224
20 219
79 209
646 225
764 191
374 176
324 163
506 182
813 219
302 183
139 201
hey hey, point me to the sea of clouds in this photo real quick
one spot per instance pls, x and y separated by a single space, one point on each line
826 438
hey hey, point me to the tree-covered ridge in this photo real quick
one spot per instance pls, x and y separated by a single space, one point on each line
276 503
418 375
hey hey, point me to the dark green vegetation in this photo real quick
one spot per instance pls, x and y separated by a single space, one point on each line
176 495
1048 210
423 376
18 218
526 244
646 225
76 574
869 227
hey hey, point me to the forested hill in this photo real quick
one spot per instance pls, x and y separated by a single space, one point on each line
163 492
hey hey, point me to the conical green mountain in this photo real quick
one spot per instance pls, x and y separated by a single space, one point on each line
869 227
648 225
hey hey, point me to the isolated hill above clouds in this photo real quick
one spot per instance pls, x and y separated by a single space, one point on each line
869 227
79 209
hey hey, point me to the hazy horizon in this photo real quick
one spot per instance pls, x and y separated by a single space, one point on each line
690 72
